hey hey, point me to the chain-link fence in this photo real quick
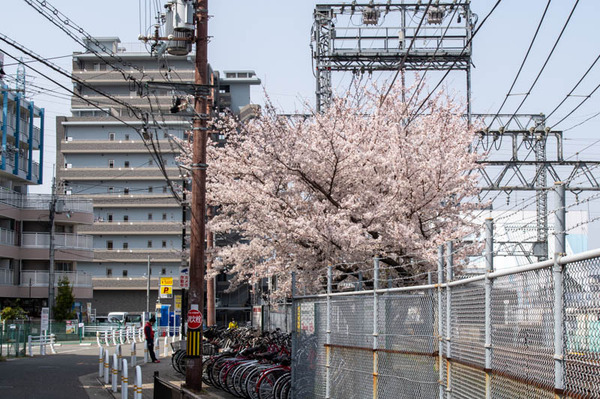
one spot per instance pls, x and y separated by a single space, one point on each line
527 332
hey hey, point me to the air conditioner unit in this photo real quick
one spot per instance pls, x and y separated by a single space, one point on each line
69 165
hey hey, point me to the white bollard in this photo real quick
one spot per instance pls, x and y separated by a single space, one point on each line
133 354
138 383
106 369
115 372
157 344
124 380
52 341
43 343
119 356
101 363
146 352
166 349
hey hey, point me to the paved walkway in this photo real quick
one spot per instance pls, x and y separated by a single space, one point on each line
96 389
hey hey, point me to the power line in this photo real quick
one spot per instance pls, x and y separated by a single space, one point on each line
416 113
522 63
546 61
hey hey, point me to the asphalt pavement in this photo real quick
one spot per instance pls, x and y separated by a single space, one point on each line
73 373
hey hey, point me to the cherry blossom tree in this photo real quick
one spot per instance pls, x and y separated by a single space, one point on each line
365 178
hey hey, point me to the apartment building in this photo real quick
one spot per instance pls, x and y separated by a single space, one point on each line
26 220
102 155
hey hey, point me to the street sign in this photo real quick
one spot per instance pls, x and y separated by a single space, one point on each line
45 314
166 291
177 303
166 281
184 277
194 319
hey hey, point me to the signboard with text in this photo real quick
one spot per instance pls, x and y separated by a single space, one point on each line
166 281
166 291
45 314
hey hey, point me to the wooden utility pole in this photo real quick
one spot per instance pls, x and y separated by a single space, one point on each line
193 375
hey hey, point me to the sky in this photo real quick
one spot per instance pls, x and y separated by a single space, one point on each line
273 38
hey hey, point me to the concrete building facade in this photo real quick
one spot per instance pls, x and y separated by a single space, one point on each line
102 154
26 220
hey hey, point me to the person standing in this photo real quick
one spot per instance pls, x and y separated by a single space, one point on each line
149 334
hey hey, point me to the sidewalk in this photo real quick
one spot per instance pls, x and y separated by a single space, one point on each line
96 389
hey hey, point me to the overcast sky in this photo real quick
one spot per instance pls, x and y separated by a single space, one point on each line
272 37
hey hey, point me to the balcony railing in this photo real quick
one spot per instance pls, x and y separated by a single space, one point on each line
42 201
7 237
40 278
61 240
6 277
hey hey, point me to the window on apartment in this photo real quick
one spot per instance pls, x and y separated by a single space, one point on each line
230 75
124 273
111 136
126 164
126 190
126 218
111 190
163 271
164 216
150 189
164 244
164 189
149 244
109 245
149 216
126 137
111 163
108 272
110 217
97 66
125 245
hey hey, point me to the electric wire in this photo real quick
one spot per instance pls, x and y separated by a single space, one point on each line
537 30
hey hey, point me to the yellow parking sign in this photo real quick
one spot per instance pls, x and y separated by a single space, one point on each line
166 281
166 291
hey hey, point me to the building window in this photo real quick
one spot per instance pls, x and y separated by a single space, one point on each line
163 271
111 136
126 164
124 273
126 190
149 244
125 218
111 163
126 137
108 272
149 216
164 216
110 217
164 244
125 245
164 189
109 245
111 190
150 189
230 75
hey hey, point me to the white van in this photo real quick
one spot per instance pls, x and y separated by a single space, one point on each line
125 318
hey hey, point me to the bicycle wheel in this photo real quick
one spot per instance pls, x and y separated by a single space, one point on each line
240 378
280 383
250 383
266 383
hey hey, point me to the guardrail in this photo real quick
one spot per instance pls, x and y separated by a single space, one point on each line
41 341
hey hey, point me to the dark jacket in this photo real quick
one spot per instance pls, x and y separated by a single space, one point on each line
149 332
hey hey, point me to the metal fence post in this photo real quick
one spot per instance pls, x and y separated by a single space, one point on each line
557 274
328 337
449 278
294 337
440 321
375 329
489 267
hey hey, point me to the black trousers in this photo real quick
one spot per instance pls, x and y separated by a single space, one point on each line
151 350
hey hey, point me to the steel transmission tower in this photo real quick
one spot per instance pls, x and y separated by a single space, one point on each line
520 159
390 37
